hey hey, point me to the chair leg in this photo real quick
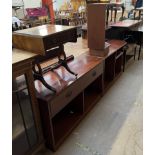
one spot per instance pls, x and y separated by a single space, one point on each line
115 15
135 52
139 52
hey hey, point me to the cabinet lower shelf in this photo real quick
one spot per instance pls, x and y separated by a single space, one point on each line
92 94
65 121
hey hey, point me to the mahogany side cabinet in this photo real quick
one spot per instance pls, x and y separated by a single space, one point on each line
61 112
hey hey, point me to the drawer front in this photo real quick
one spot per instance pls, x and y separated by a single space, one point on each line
92 75
60 101
60 38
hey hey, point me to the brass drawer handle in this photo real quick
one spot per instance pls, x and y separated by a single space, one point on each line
94 73
69 94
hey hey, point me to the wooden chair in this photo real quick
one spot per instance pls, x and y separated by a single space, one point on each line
138 9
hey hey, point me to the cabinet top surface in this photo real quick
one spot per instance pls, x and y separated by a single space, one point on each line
115 45
21 55
44 30
61 78
126 23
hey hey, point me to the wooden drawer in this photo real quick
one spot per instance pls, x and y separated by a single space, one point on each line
92 75
60 101
66 36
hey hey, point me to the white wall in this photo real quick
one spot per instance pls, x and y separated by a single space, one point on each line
27 3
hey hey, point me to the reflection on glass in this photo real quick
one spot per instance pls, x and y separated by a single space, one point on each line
20 82
19 141
23 127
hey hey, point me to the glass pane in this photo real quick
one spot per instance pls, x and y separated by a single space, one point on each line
19 140
28 115
21 82
23 128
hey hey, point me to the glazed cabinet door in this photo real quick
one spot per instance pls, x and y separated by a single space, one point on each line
24 132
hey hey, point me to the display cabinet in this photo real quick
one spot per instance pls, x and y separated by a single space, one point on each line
26 129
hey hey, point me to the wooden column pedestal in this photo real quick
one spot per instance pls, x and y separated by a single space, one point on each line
96 29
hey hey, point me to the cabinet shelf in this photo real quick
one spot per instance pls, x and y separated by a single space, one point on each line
92 93
65 121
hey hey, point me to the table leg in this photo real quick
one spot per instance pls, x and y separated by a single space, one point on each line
107 16
115 14
111 13
63 62
38 75
139 51
135 52
39 72
139 14
124 59
123 9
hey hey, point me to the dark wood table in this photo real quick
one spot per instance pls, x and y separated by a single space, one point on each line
126 23
132 28
48 41
118 30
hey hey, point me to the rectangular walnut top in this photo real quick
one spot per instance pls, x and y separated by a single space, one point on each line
43 30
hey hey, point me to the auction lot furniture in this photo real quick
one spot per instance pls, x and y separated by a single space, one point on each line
62 111
127 30
46 40
26 126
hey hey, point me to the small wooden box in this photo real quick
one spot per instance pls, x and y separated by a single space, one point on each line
42 38
96 26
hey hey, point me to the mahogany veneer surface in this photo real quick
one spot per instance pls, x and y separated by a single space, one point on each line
81 47
115 45
126 23
44 30
42 38
60 79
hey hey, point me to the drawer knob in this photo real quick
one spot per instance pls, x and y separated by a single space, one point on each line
69 94
94 73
